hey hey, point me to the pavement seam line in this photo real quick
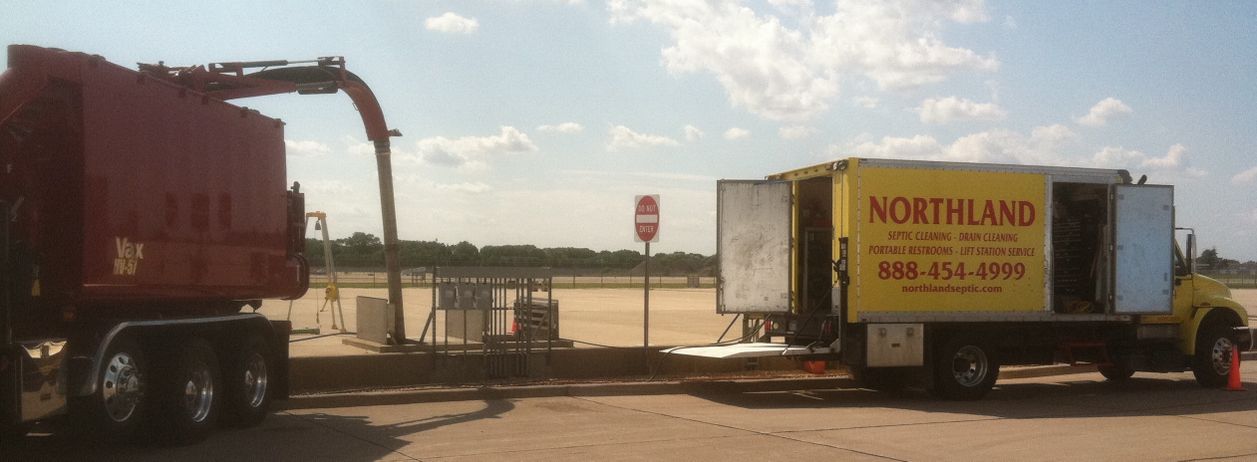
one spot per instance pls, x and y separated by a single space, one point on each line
1156 410
1202 419
731 427
359 438
579 446
1220 457
835 429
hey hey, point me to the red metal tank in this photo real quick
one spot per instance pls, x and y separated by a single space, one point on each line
135 192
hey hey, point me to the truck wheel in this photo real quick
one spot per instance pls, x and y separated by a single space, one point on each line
964 370
14 432
880 379
185 403
247 375
1212 363
1116 372
117 408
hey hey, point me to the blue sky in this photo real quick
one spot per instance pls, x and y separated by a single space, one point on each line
537 121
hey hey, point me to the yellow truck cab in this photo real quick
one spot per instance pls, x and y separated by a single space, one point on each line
944 271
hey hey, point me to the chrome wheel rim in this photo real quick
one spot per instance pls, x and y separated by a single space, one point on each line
198 394
1221 354
120 389
969 366
255 380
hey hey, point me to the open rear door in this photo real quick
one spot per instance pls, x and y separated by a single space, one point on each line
1143 249
753 245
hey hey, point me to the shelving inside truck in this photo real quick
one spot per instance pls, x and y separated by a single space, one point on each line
1079 230
814 225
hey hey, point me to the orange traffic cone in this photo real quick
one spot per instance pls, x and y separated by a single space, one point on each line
814 367
1233 379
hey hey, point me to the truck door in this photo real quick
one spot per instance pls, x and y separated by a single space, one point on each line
753 244
1143 252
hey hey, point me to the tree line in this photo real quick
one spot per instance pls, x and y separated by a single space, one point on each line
364 250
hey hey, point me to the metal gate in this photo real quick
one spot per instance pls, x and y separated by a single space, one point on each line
493 312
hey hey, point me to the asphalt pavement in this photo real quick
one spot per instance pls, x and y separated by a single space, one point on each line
1069 417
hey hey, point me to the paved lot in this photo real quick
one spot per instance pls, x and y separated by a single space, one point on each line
1073 417
603 316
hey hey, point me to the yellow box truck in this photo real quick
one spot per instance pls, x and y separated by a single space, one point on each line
946 271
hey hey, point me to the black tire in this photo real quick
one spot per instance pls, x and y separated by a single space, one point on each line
246 375
1212 362
187 398
880 379
964 370
15 432
118 408
1116 372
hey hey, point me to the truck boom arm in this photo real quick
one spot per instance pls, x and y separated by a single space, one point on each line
326 75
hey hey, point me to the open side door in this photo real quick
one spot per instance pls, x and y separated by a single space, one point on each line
1143 249
753 245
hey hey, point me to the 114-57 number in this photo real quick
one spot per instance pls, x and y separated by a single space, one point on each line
947 270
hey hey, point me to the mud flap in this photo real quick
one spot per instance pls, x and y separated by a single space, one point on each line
281 331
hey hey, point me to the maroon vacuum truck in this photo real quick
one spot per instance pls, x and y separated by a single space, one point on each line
143 220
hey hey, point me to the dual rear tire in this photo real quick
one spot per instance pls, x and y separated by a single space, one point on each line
187 396
248 381
177 392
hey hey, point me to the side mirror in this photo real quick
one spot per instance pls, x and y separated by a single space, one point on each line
1191 253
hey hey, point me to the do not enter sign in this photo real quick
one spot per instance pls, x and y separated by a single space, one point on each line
646 219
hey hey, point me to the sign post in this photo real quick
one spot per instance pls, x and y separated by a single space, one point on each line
646 229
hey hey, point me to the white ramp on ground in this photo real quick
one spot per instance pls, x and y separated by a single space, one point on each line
747 350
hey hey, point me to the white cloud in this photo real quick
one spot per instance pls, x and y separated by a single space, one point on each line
470 188
1055 134
469 152
1173 163
692 133
624 138
1249 216
565 127
1173 158
300 148
652 175
336 187
969 11
791 73
736 133
916 147
867 102
1115 157
951 109
451 23
790 3
1043 146
358 147
795 132
1103 111
422 184
1246 176
1010 23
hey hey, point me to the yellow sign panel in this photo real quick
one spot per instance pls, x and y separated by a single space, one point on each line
934 240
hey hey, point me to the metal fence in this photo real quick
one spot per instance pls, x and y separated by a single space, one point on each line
379 279
1235 279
